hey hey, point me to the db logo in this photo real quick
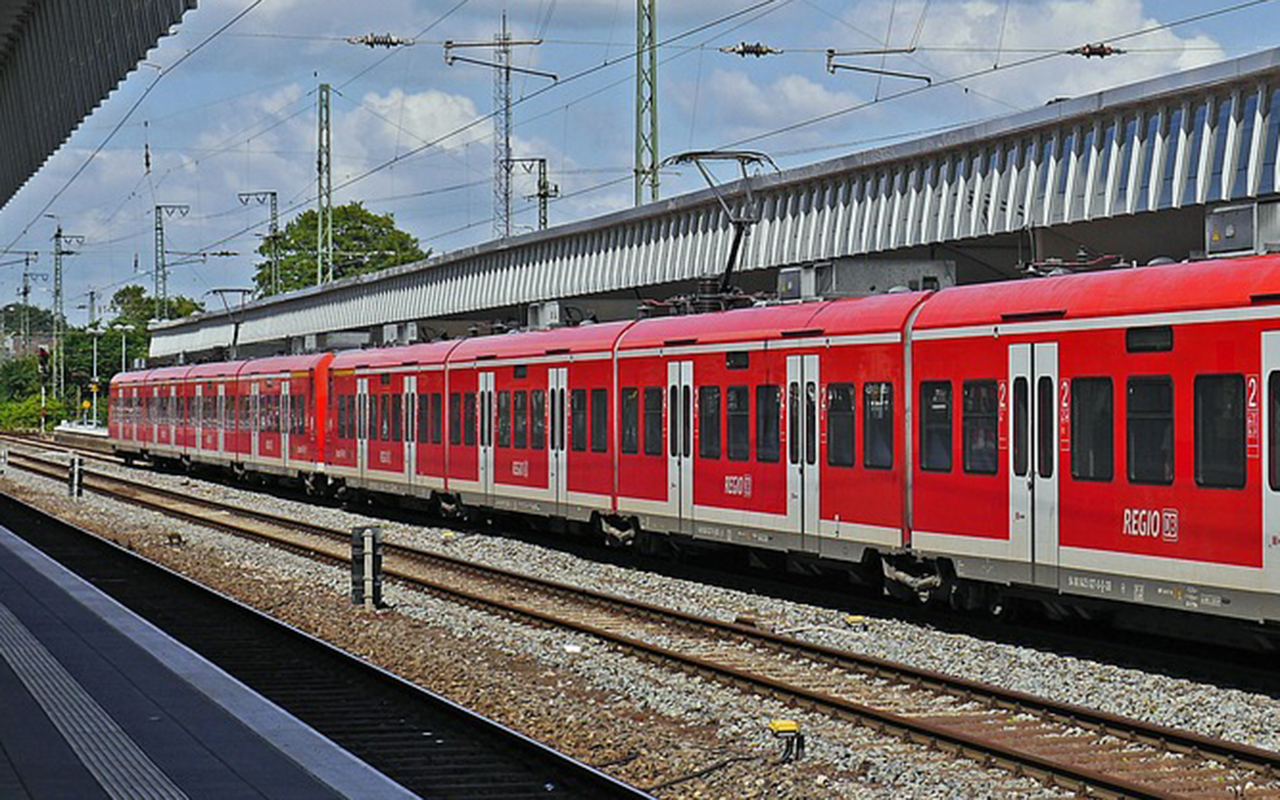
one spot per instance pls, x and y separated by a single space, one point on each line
1151 523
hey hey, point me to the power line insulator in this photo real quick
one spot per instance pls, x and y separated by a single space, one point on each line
380 40
745 49
1097 49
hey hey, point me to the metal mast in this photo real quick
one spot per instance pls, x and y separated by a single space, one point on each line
161 276
646 99
502 132
25 293
501 44
60 244
273 229
545 191
324 192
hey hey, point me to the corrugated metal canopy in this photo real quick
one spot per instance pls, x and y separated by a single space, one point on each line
1202 136
58 60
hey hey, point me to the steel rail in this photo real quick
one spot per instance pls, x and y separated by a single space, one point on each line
1047 769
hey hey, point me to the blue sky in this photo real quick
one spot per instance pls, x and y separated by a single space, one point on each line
239 115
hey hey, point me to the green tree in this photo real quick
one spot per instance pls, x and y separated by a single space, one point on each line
19 378
133 305
362 242
40 319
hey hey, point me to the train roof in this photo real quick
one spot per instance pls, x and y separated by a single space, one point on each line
216 369
415 354
168 373
123 378
281 364
592 338
845 317
1228 283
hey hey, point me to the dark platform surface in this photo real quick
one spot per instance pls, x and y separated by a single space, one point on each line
96 702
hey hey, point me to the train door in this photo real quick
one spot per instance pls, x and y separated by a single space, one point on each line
1037 401
174 415
362 425
410 424
802 444
486 434
222 417
680 442
255 417
285 423
1270 379
199 422
557 455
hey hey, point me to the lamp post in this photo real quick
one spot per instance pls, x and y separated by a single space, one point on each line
96 333
125 330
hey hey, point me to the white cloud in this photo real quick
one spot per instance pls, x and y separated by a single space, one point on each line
971 29
733 102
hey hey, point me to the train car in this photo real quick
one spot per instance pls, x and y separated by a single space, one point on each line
124 412
385 421
530 427
213 389
281 402
1111 435
760 413
164 412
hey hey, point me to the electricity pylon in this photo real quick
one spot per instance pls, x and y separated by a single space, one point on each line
646 99
501 44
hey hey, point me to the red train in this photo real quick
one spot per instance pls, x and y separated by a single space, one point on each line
1109 435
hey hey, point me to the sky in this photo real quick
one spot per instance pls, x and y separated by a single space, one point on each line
412 135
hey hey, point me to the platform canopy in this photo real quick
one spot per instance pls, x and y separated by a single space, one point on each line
58 60
1131 170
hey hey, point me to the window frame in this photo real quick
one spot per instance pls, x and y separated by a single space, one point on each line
931 422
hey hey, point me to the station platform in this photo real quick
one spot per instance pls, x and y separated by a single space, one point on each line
97 702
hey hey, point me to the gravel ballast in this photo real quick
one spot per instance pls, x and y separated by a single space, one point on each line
645 724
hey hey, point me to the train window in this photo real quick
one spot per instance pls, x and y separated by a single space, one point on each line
1021 422
384 427
738 360
599 420
738 413
342 417
877 425
1047 423
520 419
521 371
1092 437
437 417
1150 430
980 454
538 419
1154 339
469 418
840 444
1273 432
455 418
423 411
811 422
1220 436
397 418
385 380
578 419
793 421
935 426
653 421
768 422
686 421
629 417
504 419
709 421
673 424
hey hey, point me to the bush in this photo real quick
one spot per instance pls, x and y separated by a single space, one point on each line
25 414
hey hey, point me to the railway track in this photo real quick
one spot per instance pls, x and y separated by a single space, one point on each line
1086 751
427 744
